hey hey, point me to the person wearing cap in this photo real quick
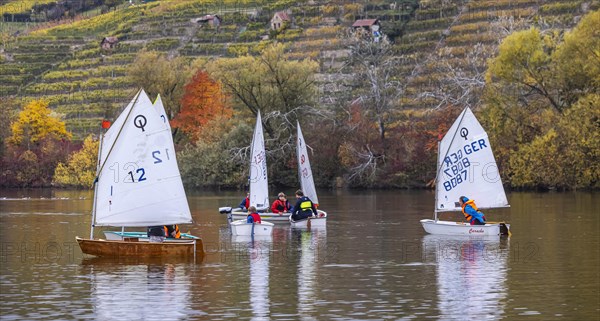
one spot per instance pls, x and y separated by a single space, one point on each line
304 207
470 211
281 204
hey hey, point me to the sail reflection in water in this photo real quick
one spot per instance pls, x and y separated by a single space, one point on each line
471 275
310 248
258 253
139 292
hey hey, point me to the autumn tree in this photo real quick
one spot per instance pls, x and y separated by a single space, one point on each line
80 169
202 102
36 123
37 143
271 83
542 102
159 74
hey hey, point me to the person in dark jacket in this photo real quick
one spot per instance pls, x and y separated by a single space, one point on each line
304 207
470 211
156 234
281 204
245 204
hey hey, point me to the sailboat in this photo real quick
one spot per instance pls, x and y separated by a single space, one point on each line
466 167
138 184
307 184
259 182
143 236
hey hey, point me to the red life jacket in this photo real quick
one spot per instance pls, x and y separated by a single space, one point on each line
279 206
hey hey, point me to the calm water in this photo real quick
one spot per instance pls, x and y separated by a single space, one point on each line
373 261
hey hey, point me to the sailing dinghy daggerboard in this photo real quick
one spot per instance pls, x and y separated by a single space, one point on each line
466 167
139 185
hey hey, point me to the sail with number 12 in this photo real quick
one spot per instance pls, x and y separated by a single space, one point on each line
139 185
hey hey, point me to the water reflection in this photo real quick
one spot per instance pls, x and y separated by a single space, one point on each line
138 291
259 249
471 275
311 244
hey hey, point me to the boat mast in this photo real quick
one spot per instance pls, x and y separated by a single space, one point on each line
437 171
96 187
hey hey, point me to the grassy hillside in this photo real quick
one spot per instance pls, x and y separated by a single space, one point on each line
444 43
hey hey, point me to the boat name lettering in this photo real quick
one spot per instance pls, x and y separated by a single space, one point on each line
475 231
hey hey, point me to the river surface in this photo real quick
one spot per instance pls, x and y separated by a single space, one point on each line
373 261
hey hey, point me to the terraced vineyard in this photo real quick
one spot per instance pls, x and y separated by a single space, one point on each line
445 45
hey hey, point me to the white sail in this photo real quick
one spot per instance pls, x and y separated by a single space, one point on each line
160 109
139 182
111 134
259 183
307 183
466 167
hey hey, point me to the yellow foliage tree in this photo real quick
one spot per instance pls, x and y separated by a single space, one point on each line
80 169
36 123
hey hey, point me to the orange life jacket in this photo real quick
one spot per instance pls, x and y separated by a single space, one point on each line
177 233
472 203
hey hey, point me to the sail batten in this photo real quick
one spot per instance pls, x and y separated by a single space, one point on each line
259 182
139 183
467 167
307 183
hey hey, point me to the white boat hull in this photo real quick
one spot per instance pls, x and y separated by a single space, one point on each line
142 236
242 227
461 228
320 221
266 216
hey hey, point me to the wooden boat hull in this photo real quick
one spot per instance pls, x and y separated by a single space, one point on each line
134 248
143 236
461 228
242 227
320 221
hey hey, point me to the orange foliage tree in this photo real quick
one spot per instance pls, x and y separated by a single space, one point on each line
202 102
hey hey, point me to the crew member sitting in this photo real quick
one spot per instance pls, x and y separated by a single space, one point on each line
253 216
469 209
281 204
245 202
172 231
304 207
156 234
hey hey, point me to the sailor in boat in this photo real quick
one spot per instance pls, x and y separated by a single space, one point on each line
253 216
304 207
281 204
172 231
245 204
469 209
156 234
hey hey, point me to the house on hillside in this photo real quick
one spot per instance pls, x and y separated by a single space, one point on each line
279 20
109 43
369 26
212 20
